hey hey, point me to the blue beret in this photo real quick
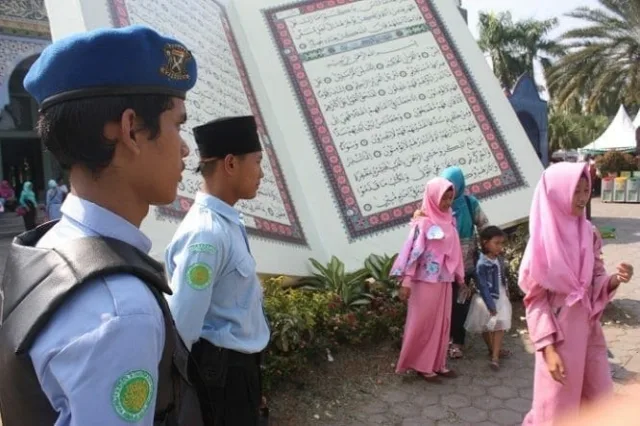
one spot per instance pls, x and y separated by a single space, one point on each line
133 60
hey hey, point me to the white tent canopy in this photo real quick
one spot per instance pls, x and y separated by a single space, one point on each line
636 121
619 136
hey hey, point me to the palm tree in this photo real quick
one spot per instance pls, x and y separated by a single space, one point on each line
573 130
497 37
534 45
601 68
514 46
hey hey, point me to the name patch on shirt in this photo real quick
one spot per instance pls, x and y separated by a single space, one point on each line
202 248
199 276
132 395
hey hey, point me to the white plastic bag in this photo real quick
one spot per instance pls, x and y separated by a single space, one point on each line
493 321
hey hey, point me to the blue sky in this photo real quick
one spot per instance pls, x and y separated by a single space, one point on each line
538 9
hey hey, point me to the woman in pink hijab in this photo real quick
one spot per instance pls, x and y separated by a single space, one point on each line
429 262
6 191
567 289
7 195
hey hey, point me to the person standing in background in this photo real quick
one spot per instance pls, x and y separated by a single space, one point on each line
29 205
62 186
54 201
7 195
217 296
469 219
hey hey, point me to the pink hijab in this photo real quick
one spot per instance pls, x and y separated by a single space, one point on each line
559 255
448 247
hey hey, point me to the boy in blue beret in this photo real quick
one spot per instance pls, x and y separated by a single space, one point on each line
96 344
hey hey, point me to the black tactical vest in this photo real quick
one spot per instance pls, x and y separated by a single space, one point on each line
37 281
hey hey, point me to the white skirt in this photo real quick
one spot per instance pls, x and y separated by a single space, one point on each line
478 317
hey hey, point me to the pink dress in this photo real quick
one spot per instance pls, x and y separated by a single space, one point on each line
426 331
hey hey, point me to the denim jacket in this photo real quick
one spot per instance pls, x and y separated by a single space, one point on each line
488 280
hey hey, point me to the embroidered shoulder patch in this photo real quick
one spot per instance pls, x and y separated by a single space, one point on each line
202 248
132 395
199 276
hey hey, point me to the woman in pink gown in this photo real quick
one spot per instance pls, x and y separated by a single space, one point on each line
431 259
567 289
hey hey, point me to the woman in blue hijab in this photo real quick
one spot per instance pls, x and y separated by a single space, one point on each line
469 219
29 203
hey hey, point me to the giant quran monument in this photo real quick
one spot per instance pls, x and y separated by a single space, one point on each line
358 104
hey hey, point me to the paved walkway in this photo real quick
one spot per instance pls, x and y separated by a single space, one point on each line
482 397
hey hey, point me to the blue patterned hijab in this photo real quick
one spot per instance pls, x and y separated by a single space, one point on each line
464 206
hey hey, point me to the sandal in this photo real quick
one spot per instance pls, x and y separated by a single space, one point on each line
431 378
504 353
455 352
494 365
449 374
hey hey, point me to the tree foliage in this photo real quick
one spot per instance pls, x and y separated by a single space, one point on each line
601 67
569 130
513 47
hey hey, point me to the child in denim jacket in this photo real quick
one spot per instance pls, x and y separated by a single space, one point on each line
490 312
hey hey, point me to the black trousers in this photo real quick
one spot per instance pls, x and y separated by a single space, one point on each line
233 384
30 218
459 314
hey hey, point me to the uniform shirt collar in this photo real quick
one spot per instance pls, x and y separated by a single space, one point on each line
103 222
217 205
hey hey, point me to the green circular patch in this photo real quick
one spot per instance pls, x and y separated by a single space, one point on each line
199 276
132 395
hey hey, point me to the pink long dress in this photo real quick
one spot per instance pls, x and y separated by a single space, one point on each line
428 266
567 289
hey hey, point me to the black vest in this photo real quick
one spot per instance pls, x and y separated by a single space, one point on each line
35 284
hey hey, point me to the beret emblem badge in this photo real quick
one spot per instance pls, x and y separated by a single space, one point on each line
177 59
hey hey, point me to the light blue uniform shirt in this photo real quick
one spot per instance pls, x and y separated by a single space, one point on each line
101 349
216 291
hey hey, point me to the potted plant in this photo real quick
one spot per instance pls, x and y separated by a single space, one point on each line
614 162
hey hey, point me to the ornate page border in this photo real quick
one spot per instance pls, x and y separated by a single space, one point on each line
357 223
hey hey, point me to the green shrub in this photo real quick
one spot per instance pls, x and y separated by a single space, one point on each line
349 286
616 162
517 239
295 318
379 269
304 324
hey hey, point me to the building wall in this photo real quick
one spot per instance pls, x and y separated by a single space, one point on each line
24 33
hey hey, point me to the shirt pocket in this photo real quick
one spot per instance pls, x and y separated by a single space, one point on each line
245 272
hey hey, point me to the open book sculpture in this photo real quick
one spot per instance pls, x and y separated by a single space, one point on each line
358 103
